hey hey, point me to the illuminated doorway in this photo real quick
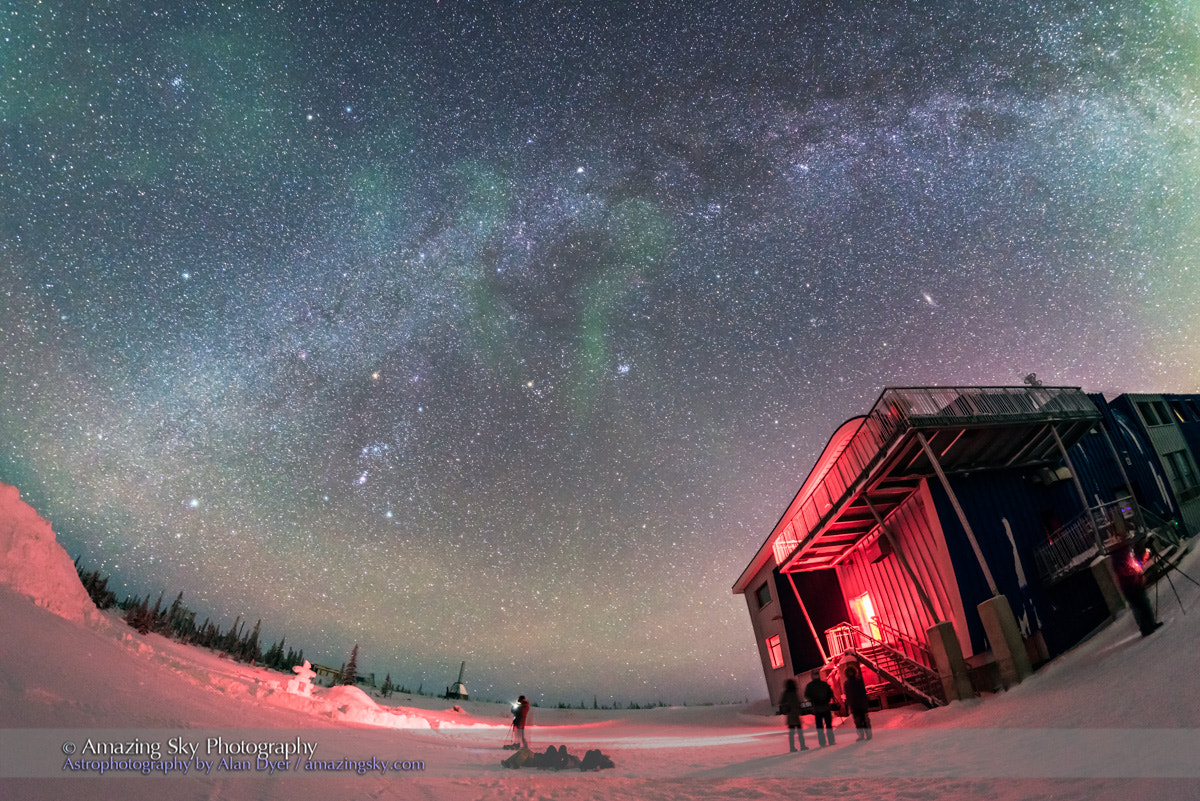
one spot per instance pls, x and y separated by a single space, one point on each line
864 613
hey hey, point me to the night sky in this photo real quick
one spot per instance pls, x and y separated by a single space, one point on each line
505 332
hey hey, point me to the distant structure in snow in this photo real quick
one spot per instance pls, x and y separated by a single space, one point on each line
458 690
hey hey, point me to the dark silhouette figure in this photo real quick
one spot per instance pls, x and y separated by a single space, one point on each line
856 701
1132 582
520 715
789 705
820 695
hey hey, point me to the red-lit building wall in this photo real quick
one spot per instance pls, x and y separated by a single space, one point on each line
897 603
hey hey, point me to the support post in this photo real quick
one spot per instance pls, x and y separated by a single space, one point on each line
1008 646
1137 507
947 655
807 619
1106 581
962 517
1087 508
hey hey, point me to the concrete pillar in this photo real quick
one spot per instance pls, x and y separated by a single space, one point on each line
948 659
1008 646
1106 580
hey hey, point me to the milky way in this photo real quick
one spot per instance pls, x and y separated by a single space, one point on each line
504 332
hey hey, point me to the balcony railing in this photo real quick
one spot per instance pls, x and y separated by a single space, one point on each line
901 408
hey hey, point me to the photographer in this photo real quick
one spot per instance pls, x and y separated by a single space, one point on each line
520 715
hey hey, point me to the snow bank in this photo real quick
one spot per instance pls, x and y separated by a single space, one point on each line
35 565
352 705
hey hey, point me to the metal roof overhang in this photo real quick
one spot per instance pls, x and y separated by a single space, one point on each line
961 444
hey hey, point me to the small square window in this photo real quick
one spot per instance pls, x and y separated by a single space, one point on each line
775 649
763 595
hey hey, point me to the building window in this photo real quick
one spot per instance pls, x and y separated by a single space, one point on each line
1149 413
775 649
1182 475
763 595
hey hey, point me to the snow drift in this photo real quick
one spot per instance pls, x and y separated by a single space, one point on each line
35 565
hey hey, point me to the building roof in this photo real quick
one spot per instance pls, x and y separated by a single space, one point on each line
873 463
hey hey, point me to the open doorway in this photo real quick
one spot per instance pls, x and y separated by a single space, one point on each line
864 615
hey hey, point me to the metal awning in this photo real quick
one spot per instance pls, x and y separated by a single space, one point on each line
966 428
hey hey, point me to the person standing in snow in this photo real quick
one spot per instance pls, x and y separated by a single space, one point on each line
520 715
820 695
856 701
1132 581
789 705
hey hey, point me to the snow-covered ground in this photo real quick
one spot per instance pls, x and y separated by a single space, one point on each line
1115 718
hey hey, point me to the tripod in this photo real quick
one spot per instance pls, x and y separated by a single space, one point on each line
1167 574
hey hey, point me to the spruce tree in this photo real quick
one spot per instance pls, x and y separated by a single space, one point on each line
158 616
350 671
138 616
248 650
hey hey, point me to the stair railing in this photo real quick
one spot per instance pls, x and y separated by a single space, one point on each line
911 647
845 638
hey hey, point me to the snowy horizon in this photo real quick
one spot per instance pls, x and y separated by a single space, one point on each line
89 708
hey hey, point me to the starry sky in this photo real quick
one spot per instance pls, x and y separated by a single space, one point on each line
504 332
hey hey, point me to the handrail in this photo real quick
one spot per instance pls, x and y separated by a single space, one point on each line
1166 530
1074 544
930 696
839 638
842 638
918 646
843 634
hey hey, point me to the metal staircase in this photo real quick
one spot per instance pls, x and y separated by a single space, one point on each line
906 675
904 663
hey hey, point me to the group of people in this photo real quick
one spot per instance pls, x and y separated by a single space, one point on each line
822 701
817 692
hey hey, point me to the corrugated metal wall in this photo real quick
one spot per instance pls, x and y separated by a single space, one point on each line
893 596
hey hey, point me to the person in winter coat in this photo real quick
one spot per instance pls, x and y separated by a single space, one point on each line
520 715
856 701
820 695
789 705
1132 581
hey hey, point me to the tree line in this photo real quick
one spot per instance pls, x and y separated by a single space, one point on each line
178 622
